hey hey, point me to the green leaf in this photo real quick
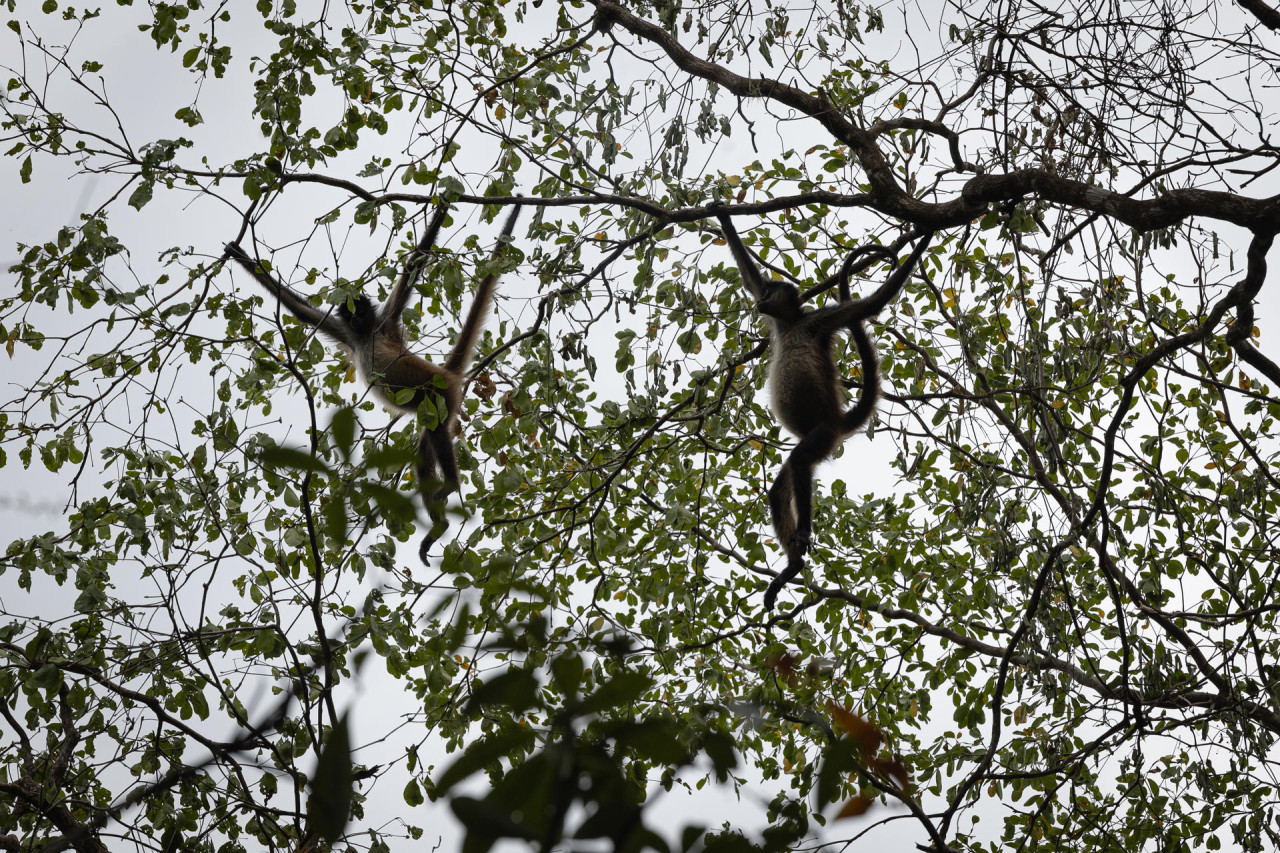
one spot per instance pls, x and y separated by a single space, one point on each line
48 677
141 194
567 671
658 741
329 806
289 457
343 429
516 688
486 823
90 599
623 689
482 753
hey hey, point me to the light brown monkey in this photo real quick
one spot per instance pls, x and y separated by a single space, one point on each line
373 338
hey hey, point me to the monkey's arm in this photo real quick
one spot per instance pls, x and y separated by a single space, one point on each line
846 313
750 272
469 333
297 305
510 224
403 288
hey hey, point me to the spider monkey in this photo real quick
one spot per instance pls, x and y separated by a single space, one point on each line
808 397
373 340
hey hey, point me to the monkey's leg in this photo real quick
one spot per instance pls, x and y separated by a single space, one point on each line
447 459
816 445
781 510
428 480
430 485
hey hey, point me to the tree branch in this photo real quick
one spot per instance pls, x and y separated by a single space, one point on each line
888 197
1266 15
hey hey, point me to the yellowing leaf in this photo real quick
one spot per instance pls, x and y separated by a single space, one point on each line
855 807
865 735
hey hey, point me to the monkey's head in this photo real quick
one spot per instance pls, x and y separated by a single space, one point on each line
781 300
364 319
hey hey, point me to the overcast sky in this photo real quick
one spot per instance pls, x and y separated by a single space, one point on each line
145 91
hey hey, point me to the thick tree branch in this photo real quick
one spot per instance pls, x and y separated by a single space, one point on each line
1266 15
879 173
888 197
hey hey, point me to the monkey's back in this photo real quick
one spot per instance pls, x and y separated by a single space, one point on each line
388 370
802 380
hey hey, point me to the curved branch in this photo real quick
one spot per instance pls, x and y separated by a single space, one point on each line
936 128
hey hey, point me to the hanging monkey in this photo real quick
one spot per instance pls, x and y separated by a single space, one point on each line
808 397
373 339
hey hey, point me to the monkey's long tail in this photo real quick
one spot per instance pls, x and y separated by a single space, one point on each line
470 331
860 412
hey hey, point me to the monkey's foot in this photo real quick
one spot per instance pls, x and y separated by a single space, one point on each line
794 566
432 536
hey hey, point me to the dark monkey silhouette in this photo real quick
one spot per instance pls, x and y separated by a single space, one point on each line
808 396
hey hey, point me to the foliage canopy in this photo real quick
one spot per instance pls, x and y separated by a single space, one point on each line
1042 610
